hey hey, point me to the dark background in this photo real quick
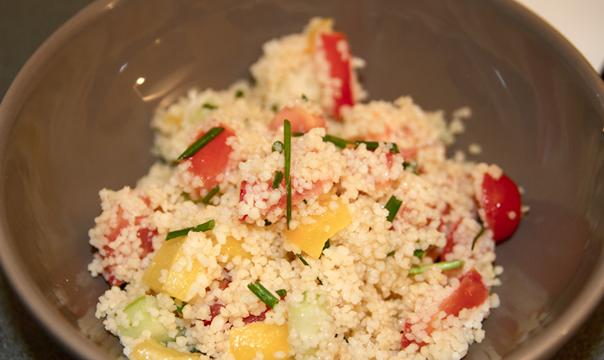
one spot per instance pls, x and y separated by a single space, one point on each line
24 25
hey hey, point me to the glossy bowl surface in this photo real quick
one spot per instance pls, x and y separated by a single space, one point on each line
75 121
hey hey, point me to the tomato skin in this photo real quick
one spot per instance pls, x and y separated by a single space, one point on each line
450 239
406 342
146 236
471 293
212 159
339 68
214 311
499 199
301 120
254 318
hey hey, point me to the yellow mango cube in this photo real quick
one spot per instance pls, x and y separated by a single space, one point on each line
267 339
311 238
178 281
316 27
151 350
232 248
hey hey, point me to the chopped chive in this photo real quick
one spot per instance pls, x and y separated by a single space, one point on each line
390 254
319 281
478 235
206 226
339 142
206 199
287 142
263 294
443 265
411 166
327 245
278 146
298 134
419 253
179 308
186 196
392 206
304 97
239 94
209 106
281 292
201 142
371 145
394 148
302 259
278 178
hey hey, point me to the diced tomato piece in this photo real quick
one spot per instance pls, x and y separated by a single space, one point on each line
212 159
471 293
146 236
214 311
224 283
337 55
501 203
450 239
121 224
301 120
316 190
406 342
254 318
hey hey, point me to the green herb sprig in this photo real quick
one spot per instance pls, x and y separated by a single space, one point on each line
200 143
287 149
302 259
482 229
338 142
371 145
419 253
393 205
263 294
443 265
206 226
277 179
277 146
206 199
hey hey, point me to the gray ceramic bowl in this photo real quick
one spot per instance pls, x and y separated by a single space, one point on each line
72 123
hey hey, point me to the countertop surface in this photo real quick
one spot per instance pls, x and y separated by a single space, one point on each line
23 27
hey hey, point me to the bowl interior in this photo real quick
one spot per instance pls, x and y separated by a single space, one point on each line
80 122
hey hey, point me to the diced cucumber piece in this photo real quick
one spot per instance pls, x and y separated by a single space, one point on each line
139 314
311 321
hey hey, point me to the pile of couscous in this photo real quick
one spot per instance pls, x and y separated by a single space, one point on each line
287 219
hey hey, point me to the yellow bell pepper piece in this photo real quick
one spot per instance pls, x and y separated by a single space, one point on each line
178 282
311 238
316 27
151 350
247 341
232 248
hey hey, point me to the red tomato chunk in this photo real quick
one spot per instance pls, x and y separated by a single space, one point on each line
302 121
338 58
471 293
501 203
212 159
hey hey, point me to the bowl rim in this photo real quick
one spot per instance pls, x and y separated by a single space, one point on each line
541 346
